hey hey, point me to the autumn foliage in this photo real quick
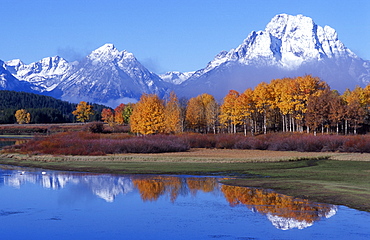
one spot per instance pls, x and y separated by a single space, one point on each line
152 188
85 143
301 104
262 201
268 202
83 111
22 116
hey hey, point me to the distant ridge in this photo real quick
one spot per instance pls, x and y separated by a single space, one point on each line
289 46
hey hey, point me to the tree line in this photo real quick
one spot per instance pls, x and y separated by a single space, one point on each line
301 104
42 109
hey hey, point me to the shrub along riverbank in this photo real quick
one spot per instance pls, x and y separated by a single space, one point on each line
92 144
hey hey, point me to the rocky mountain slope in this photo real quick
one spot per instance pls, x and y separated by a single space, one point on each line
289 46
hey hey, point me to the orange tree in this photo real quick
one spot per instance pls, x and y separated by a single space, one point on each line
108 116
148 115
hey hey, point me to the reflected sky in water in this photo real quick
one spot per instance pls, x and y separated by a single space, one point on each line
37 204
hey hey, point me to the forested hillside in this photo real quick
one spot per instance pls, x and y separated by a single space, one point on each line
43 109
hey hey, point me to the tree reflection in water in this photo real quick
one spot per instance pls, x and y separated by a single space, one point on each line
283 211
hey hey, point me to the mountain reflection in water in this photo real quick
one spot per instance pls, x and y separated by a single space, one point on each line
284 212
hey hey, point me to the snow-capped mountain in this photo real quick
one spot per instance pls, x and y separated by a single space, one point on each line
45 75
176 77
103 186
108 75
284 223
9 82
105 76
289 46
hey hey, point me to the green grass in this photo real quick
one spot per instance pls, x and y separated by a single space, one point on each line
336 182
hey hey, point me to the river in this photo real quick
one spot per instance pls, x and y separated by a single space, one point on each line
44 204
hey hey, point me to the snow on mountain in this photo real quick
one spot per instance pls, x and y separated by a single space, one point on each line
289 46
105 186
176 77
44 75
107 75
291 223
9 82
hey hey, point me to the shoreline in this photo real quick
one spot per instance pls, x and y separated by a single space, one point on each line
334 178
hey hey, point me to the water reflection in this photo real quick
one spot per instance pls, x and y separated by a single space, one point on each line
282 211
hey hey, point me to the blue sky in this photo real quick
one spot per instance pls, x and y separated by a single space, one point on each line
165 35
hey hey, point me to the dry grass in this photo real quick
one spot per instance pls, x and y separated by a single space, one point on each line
200 155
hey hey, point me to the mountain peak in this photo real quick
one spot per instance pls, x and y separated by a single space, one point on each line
14 63
283 24
108 52
106 48
288 41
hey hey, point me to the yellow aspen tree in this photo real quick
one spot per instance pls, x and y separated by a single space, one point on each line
83 111
228 113
284 99
366 97
355 108
263 100
22 116
108 116
195 117
148 115
246 109
306 86
211 111
172 115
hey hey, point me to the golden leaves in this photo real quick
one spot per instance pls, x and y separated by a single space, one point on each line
22 116
83 111
148 115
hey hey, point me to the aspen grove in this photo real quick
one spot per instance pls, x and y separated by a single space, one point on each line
301 104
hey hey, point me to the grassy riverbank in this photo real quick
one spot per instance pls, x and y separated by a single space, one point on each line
337 178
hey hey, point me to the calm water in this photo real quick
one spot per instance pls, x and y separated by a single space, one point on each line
42 204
